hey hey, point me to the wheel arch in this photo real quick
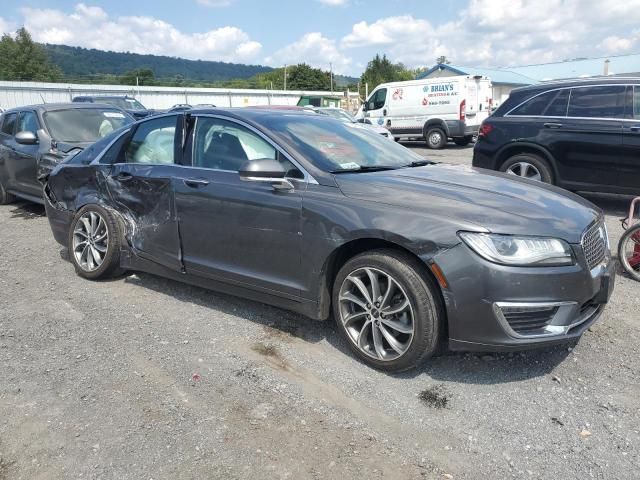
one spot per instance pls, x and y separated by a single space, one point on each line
350 249
512 149
435 122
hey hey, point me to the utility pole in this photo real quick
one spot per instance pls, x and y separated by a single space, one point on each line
285 77
331 75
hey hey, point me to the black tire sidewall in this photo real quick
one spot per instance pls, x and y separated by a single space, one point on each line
111 262
540 163
424 299
443 138
631 231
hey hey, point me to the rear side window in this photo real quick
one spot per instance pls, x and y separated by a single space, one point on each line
597 102
636 102
558 106
9 123
537 105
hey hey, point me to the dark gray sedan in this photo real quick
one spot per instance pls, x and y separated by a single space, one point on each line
322 217
34 138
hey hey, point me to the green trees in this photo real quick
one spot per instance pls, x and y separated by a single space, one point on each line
140 76
381 70
23 59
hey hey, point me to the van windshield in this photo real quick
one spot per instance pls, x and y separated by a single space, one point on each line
336 146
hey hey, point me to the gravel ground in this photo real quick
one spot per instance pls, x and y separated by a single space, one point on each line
145 378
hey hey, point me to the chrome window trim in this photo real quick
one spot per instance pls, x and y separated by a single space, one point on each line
508 114
308 178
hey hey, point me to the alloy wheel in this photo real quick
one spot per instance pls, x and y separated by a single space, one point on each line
90 241
525 170
376 313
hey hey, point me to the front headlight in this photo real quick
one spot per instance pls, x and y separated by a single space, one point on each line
519 250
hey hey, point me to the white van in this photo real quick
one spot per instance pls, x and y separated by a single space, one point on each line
435 109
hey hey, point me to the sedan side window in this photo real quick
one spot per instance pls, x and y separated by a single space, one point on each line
9 123
153 142
636 102
597 102
27 123
224 145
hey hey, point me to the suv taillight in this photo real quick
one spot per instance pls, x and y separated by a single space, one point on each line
463 109
485 129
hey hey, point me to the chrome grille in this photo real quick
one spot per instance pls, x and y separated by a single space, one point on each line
594 244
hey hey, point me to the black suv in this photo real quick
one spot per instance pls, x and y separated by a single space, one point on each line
582 135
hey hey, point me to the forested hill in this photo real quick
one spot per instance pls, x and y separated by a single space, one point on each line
82 62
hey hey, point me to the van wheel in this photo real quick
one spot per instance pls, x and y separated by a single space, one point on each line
5 197
388 312
436 138
463 141
528 165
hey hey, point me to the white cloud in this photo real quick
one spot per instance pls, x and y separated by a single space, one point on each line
313 49
504 32
214 3
334 3
7 27
91 27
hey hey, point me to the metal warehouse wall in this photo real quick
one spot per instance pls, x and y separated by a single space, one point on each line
16 94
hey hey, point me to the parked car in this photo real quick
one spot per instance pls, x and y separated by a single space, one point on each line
130 105
582 135
33 139
344 116
435 109
311 214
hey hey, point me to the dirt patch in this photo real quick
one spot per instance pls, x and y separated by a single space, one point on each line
434 397
272 353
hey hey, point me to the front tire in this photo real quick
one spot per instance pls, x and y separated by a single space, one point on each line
388 312
528 165
436 138
5 197
94 243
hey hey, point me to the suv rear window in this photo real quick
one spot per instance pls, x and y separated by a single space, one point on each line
597 102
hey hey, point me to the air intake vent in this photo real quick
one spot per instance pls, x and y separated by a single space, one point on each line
529 320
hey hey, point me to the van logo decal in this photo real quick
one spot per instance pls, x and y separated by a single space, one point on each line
397 94
425 101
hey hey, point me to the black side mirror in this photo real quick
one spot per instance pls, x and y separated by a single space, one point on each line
265 170
26 138
371 106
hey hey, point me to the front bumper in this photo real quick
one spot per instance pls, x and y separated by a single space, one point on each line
59 218
493 307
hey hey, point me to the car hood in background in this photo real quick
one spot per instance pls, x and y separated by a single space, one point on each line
490 200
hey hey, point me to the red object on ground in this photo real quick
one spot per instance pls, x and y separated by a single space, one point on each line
634 260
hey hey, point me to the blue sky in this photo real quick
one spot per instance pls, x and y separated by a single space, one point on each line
346 33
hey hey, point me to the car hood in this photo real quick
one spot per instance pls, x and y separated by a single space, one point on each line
487 199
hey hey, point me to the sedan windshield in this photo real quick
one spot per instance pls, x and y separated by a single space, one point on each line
336 147
338 114
83 125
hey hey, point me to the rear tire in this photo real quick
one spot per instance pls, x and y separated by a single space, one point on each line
629 238
463 141
406 319
94 243
528 165
435 138
5 197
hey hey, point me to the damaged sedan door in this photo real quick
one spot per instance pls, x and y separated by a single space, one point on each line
140 186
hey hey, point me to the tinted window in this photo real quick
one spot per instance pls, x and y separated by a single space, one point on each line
378 99
153 142
558 106
123 103
27 123
536 105
113 154
8 123
84 125
636 102
224 145
597 102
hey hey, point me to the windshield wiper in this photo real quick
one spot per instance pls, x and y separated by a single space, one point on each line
420 163
367 168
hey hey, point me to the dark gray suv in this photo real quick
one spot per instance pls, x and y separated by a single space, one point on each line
582 135
323 217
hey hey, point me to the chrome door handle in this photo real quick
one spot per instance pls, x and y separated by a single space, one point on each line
195 183
635 128
553 125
